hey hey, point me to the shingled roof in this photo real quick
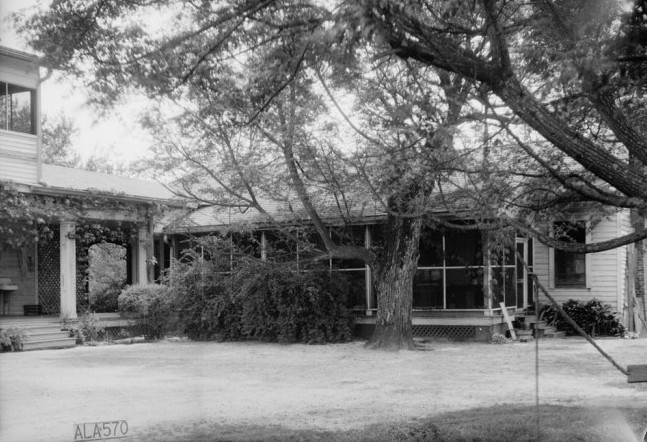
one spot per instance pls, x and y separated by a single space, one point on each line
67 179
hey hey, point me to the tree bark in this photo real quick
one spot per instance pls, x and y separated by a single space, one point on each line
394 284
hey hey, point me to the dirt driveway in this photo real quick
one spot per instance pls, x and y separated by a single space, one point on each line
183 385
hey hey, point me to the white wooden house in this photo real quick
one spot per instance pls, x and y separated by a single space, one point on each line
457 288
33 274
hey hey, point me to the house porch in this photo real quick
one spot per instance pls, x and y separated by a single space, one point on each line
472 325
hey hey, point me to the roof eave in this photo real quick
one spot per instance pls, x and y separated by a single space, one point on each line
59 191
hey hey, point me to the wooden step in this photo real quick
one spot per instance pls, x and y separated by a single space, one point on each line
32 325
556 335
46 334
520 332
49 344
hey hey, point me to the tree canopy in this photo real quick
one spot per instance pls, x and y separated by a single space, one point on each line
515 108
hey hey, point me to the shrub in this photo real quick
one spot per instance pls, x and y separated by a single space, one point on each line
260 300
11 339
593 317
286 306
87 329
152 308
105 300
206 306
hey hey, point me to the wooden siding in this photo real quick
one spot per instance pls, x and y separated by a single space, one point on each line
21 275
18 157
606 278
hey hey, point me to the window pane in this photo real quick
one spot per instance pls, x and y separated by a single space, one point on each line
428 289
356 288
377 234
465 288
348 235
530 253
431 249
19 109
570 268
504 253
4 106
463 248
503 290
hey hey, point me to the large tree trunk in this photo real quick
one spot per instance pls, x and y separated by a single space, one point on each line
393 280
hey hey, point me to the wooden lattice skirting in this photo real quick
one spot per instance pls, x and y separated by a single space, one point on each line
454 332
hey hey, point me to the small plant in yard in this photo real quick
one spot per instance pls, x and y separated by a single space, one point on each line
11 339
498 338
88 329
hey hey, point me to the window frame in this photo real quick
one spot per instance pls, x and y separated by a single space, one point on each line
6 117
552 263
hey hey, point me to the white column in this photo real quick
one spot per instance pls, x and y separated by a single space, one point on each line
140 252
368 239
68 269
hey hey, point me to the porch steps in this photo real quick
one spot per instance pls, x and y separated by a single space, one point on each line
543 329
46 337
42 334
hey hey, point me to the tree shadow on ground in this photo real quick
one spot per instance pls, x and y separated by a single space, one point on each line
501 423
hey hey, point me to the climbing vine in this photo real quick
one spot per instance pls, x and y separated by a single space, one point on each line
24 217
19 225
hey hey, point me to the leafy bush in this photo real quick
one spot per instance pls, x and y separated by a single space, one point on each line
593 317
260 300
87 329
205 305
286 306
106 300
151 306
11 339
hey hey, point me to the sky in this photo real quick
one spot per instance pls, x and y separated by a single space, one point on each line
115 136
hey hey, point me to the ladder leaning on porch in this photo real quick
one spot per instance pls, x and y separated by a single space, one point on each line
508 321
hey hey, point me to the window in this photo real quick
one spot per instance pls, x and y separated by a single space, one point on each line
17 108
570 267
450 271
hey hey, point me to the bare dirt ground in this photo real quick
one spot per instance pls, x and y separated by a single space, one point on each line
178 387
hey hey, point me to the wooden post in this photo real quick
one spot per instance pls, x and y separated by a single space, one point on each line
140 252
630 287
68 269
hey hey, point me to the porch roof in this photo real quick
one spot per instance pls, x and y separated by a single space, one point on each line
358 210
58 179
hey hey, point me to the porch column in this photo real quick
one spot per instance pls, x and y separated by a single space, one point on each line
142 254
68 269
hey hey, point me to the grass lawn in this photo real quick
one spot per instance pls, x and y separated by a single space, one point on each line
186 391
501 423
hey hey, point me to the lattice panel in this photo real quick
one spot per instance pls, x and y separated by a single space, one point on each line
454 332
82 300
49 273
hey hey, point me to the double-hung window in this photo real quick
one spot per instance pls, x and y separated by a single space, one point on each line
570 267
